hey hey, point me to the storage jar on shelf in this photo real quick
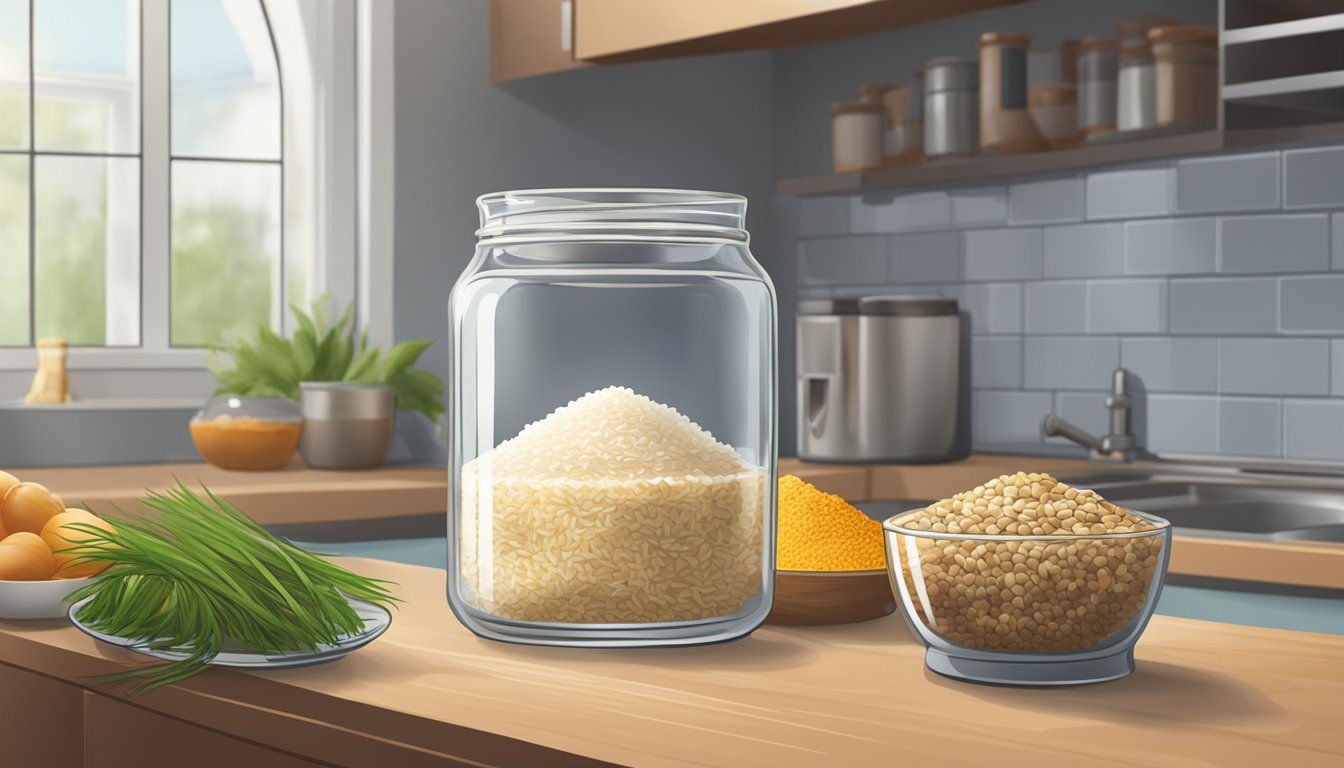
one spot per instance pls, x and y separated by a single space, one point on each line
613 447
1005 123
856 136
1186 87
1136 78
903 140
1097 73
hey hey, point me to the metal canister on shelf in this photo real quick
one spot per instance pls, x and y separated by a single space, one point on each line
1186 75
1097 71
856 136
1005 124
951 107
1136 80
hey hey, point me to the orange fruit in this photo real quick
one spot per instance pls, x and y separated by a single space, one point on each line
19 563
28 507
35 544
55 534
7 481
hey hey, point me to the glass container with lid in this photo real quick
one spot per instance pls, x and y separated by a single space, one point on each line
612 402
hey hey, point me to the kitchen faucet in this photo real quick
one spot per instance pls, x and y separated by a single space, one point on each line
1120 444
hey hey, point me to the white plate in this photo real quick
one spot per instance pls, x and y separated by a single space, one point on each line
376 621
37 599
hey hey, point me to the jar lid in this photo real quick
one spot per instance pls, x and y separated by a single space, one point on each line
854 107
550 213
1184 33
1004 38
1096 42
873 91
951 73
828 307
1138 26
907 306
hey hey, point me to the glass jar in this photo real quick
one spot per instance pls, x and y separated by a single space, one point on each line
247 433
613 448
1098 70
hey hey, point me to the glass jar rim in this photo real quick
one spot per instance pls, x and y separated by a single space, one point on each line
694 213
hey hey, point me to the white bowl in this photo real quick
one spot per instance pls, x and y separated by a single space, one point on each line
37 599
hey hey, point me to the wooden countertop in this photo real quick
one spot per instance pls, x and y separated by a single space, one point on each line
298 494
429 693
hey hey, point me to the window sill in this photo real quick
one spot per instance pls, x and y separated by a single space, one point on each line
109 358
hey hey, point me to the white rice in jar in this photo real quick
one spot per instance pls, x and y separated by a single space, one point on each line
612 509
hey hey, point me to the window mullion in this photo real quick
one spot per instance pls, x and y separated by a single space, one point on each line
155 201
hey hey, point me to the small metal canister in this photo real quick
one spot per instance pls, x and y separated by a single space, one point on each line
1098 69
346 425
951 106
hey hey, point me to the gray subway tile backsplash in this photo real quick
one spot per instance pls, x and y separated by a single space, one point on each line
1084 250
926 257
1002 416
1250 427
1337 368
1127 306
1069 362
1054 307
1002 254
1313 430
823 216
994 307
1274 366
996 361
841 260
1046 202
1228 183
979 207
1216 280
1269 244
1225 306
1313 177
1171 247
1313 304
1182 424
877 215
1172 364
1129 193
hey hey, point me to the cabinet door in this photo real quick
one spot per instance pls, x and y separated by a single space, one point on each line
41 720
117 735
633 30
531 37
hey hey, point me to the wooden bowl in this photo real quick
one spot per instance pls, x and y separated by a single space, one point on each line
830 597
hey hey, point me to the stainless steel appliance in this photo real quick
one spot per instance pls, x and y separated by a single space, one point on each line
880 379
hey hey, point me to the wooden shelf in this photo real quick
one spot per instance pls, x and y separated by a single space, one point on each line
956 171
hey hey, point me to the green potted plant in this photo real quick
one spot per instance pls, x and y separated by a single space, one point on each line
349 392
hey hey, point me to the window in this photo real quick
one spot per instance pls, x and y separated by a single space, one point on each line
170 170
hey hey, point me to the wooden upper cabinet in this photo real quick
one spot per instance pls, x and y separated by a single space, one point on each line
622 30
534 37
531 37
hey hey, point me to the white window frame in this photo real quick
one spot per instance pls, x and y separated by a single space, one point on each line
352 157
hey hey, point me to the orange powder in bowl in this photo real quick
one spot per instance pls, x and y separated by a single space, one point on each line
246 443
819 531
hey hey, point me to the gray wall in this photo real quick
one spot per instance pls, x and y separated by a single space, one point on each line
702 123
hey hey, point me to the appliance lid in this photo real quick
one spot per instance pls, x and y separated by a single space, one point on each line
907 306
828 307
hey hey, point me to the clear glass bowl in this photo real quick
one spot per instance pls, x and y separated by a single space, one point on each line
1028 610
247 433
612 458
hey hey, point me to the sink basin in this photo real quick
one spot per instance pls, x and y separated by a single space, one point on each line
1230 507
